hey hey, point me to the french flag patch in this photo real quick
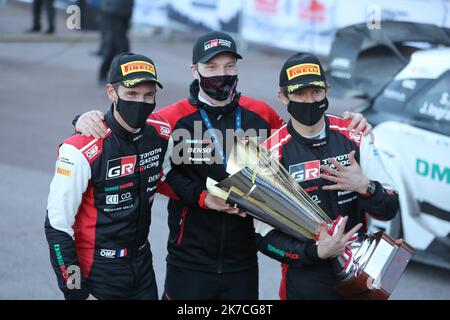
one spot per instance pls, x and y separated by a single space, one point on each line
122 253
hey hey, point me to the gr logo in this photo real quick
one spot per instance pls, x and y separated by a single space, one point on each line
120 167
305 171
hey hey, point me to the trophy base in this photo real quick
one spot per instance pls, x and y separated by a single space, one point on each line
390 269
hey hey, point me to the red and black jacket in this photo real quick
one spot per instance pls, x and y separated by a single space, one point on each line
99 205
199 238
302 157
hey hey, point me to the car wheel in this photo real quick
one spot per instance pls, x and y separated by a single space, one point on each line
392 227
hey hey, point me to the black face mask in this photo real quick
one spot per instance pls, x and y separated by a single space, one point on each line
308 113
218 87
134 113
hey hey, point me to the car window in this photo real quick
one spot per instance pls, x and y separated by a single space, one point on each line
433 103
397 93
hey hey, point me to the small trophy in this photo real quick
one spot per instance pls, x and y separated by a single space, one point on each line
370 266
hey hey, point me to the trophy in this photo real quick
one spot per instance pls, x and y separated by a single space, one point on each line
370 266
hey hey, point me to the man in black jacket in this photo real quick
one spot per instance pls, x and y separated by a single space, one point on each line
115 19
340 169
99 205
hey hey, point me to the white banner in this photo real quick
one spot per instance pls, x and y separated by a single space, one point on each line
207 14
310 25
153 13
302 25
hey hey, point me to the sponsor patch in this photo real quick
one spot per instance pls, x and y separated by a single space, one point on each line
215 43
137 66
302 70
63 172
130 83
120 167
92 152
305 171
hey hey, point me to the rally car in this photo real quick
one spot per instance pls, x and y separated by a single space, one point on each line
402 73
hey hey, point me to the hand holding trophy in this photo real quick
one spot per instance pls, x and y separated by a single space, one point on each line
369 265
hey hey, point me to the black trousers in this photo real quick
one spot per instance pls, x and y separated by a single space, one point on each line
115 40
37 8
311 283
123 278
185 284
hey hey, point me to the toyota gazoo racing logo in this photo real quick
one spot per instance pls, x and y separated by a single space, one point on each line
165 131
215 43
305 171
120 167
355 136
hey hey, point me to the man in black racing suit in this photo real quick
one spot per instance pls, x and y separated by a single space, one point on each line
341 170
99 205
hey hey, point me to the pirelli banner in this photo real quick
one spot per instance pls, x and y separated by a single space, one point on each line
310 25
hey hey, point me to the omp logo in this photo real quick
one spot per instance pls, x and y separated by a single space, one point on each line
92 152
433 170
302 69
137 66
305 171
120 167
106 253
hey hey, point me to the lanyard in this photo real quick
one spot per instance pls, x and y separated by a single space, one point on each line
212 132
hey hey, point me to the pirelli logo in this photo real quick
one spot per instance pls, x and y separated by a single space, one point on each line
137 66
302 69
63 172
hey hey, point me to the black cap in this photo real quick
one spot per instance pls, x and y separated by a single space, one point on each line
131 69
211 44
300 71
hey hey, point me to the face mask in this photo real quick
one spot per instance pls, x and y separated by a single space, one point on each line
307 113
134 113
218 87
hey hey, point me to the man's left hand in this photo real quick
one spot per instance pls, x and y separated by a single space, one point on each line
358 123
349 178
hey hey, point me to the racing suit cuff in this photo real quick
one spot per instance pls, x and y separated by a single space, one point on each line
375 195
311 253
201 200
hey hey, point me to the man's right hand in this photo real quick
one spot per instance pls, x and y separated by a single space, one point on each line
91 124
218 204
333 246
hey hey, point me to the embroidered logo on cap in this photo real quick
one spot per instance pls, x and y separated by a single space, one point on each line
302 69
137 66
215 43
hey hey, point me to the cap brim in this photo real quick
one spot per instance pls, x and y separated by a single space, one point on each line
131 83
211 55
291 88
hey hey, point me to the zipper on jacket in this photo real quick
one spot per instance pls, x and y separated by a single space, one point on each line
182 221
222 240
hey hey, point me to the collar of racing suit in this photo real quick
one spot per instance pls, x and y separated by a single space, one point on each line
193 99
117 129
307 141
